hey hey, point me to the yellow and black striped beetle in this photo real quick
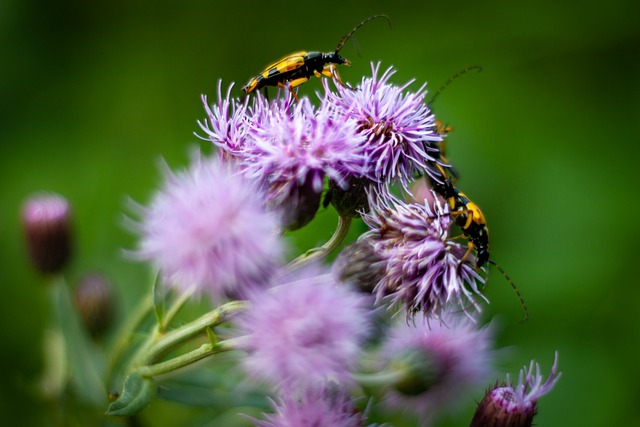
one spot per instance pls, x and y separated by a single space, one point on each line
468 216
470 219
295 69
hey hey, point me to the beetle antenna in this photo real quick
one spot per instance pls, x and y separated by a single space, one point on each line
451 79
513 285
348 36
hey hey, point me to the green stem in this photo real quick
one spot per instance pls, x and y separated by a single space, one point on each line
177 336
142 354
175 308
379 379
126 331
205 350
344 222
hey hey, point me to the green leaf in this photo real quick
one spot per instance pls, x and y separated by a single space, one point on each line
85 362
213 338
218 389
137 393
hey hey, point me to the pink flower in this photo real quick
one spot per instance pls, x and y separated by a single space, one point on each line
425 270
304 332
316 408
398 126
208 228
515 406
441 360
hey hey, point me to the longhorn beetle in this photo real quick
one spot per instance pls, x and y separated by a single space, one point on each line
468 216
295 69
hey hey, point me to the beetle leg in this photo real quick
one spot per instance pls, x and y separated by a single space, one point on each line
470 248
470 217
290 85
332 71
297 82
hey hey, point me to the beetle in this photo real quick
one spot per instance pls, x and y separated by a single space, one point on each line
295 69
468 216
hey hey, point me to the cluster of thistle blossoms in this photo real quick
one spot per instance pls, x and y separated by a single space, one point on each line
214 229
362 142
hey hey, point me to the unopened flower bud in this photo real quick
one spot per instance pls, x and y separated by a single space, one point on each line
300 207
94 303
422 371
359 264
351 201
515 406
46 223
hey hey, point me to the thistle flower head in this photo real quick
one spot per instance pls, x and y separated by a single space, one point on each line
515 406
208 228
289 147
359 264
315 408
294 149
226 123
46 220
304 332
425 270
442 359
398 126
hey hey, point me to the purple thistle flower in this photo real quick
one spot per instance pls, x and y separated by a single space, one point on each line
515 406
440 361
227 123
425 270
208 228
306 142
399 127
315 408
288 147
304 332
292 150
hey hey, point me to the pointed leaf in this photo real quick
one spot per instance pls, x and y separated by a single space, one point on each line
213 338
85 362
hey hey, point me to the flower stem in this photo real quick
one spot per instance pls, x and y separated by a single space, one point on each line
344 222
378 379
187 359
126 331
168 341
174 309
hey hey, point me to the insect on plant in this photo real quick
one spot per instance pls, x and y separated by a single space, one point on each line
297 68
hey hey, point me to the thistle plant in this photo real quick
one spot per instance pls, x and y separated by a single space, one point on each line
393 325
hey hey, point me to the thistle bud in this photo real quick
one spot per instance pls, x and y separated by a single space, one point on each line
46 224
509 406
359 264
351 201
300 207
93 301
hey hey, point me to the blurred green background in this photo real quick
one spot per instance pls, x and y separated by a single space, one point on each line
546 141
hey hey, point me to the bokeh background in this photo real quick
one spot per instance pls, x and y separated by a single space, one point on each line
93 94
